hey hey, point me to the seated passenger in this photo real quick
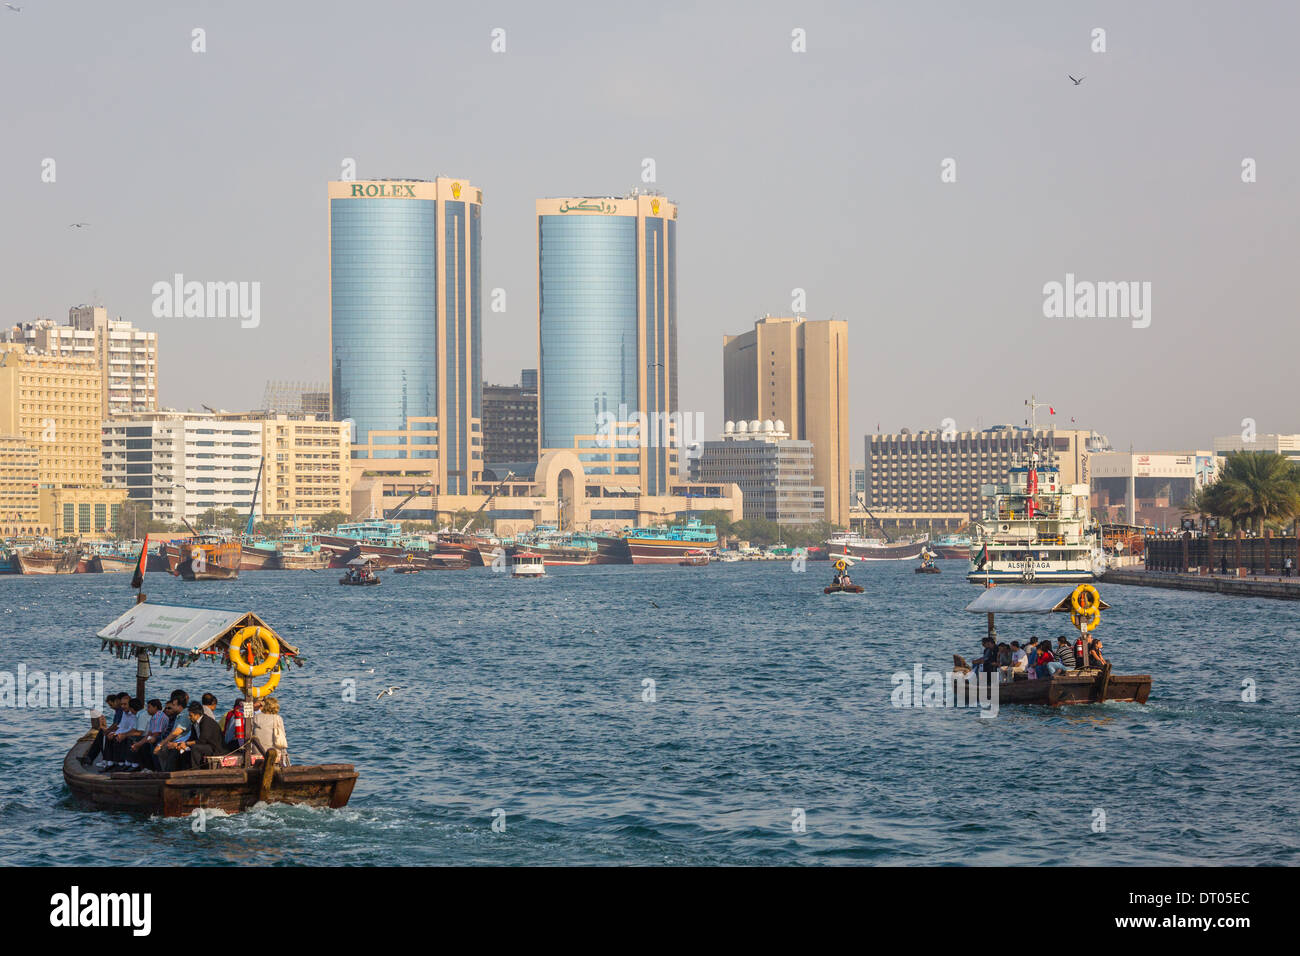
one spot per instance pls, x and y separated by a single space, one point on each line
1004 660
1019 661
116 745
268 731
1047 662
107 725
205 738
154 731
1065 653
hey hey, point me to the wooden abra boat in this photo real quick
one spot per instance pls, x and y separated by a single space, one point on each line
180 636
361 572
232 789
843 589
694 558
1089 685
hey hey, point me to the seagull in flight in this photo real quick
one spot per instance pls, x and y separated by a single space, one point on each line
1078 81
13 8
387 692
75 225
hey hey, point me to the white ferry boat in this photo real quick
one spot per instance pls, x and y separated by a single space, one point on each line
1035 530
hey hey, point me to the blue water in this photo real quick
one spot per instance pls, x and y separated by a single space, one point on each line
526 696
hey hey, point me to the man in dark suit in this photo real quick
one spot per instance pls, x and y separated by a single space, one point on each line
205 739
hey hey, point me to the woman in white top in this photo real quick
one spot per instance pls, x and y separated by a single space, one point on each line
268 730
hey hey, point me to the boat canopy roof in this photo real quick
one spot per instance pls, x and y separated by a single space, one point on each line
1030 600
181 635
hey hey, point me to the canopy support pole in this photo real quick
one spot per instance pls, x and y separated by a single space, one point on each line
993 631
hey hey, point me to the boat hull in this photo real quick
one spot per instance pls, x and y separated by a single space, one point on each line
48 562
110 564
884 552
1040 577
1076 687
179 793
611 549
663 550
256 559
301 560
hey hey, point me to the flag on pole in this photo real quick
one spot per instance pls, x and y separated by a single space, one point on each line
137 579
1051 410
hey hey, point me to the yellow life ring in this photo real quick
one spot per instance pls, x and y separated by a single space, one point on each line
1085 622
272 660
245 684
841 565
1094 603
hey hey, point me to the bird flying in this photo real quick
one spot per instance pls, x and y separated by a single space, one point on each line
13 8
77 225
387 692
1078 81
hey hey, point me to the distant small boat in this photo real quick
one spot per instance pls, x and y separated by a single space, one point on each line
694 558
527 564
360 573
843 589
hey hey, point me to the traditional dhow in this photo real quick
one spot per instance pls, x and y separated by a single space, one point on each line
872 549
669 544
48 561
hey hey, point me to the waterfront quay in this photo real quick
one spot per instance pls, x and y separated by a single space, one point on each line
1287 589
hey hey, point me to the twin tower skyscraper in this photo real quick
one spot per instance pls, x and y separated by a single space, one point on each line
407 329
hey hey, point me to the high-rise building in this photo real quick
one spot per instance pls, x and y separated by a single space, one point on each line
773 470
307 470
796 370
126 357
510 422
406 327
55 403
607 335
941 474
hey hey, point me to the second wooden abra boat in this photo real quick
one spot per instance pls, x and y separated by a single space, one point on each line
1087 685
180 636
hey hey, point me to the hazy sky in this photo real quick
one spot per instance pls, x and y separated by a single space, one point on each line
816 170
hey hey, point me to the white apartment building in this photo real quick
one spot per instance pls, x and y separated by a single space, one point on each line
1288 445
183 463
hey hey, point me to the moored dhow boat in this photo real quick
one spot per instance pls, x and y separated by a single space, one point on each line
855 545
48 561
180 636
1084 685
668 544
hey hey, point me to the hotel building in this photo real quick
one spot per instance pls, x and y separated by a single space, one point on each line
925 479
796 370
1148 489
55 403
607 336
308 468
406 327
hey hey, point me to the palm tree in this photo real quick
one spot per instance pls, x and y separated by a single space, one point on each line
1253 488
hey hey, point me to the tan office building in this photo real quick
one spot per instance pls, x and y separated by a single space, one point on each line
308 468
81 512
796 370
55 403
20 499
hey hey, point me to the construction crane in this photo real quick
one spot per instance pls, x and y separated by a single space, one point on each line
487 501
407 500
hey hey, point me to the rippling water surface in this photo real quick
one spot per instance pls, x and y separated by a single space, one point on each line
527 696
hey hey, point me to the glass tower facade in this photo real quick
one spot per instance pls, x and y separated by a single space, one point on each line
383 271
607 324
406 273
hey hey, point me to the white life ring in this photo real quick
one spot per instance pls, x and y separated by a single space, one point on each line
1027 575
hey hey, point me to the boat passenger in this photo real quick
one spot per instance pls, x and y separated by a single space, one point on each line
116 746
1004 660
210 705
1094 652
1047 662
1019 661
155 730
170 749
111 703
205 740
1065 653
845 580
1031 653
267 731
